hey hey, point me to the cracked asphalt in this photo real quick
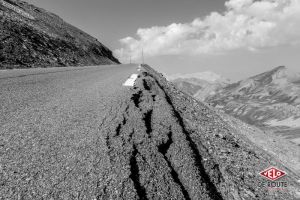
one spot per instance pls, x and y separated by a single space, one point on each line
77 133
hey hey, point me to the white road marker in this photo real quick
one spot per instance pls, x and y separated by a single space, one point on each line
130 82
139 68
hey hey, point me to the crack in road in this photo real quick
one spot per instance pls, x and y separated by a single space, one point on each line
145 84
145 93
136 98
214 193
163 149
141 191
147 119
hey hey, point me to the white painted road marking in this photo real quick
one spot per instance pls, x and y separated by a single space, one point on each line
139 68
130 82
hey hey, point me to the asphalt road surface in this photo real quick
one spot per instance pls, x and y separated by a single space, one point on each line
78 133
52 143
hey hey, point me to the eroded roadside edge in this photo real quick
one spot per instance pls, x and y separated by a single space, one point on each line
237 159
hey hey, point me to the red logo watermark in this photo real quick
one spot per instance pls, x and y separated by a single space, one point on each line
272 173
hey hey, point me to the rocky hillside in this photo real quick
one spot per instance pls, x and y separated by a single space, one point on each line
33 37
268 100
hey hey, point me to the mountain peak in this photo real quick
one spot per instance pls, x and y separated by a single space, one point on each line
280 68
275 74
279 72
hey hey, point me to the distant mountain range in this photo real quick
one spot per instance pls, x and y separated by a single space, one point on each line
269 100
200 85
33 37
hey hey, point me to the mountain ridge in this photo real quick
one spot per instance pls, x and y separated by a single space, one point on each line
268 100
200 85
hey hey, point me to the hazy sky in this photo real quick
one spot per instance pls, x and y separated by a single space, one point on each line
235 38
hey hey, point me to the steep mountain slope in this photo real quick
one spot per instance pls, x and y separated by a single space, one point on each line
34 37
269 100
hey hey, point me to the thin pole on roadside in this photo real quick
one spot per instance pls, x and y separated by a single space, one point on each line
143 56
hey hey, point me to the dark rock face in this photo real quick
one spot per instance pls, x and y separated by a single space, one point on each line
32 37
